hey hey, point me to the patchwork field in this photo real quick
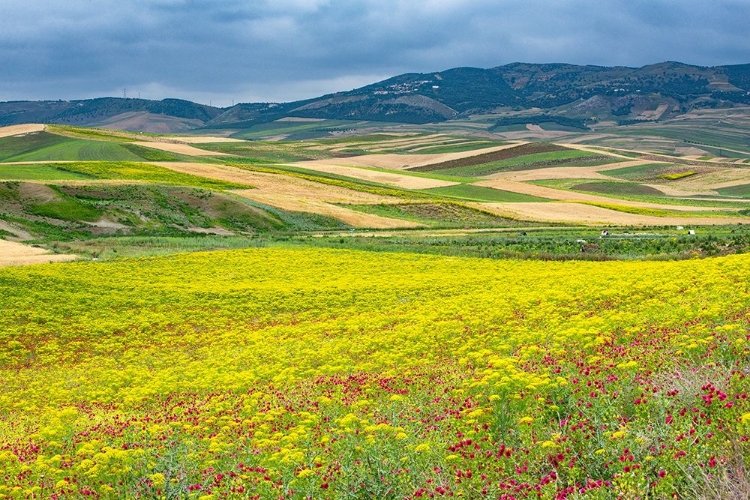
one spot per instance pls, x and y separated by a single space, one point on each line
406 168
369 316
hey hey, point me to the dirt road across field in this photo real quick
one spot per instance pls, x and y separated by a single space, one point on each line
17 254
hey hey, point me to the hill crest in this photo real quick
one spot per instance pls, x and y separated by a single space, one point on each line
587 93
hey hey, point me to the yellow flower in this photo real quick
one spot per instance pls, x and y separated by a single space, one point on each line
158 479
305 472
618 435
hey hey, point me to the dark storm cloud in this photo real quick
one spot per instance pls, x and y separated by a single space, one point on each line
282 50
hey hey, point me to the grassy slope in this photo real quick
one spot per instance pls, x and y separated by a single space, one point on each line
38 173
742 191
480 193
63 213
440 215
45 146
112 170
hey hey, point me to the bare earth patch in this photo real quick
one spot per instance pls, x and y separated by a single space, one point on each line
388 178
183 149
299 195
26 128
587 214
17 254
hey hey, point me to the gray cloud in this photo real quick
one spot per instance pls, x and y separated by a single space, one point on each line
266 50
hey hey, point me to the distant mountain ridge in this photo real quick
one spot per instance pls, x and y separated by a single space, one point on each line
585 93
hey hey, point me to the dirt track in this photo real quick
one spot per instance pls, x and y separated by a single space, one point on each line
18 254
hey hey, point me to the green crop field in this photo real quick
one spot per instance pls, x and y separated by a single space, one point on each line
480 193
525 162
77 149
440 215
741 191
648 172
131 171
38 172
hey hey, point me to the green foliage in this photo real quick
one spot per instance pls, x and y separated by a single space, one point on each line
19 145
77 149
146 210
131 171
440 215
67 209
38 172
741 191
557 244
470 192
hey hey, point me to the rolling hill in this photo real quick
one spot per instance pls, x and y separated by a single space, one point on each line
570 95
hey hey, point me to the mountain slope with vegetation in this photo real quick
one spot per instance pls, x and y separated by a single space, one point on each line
585 94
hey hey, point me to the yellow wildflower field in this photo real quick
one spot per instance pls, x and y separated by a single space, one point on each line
312 373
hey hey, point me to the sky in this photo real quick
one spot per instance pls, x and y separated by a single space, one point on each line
222 52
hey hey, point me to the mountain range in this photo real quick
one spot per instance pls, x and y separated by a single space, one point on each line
575 95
